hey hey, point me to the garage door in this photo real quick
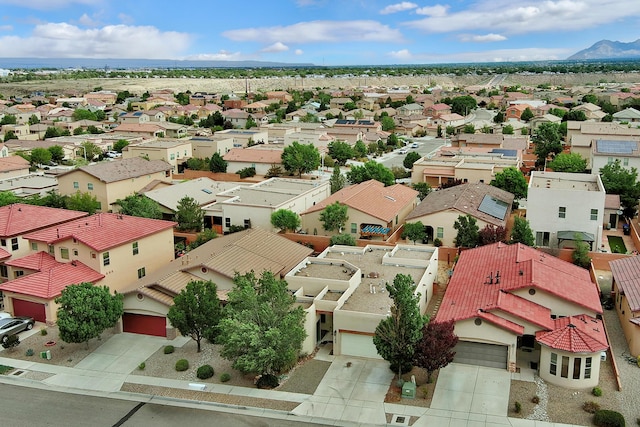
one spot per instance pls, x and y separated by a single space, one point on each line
142 324
475 353
358 345
30 309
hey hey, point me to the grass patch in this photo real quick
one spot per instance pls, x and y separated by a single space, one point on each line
4 369
617 245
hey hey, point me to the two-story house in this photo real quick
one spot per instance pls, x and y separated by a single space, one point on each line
173 152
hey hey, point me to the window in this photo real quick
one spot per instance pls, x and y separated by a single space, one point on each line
34 246
247 223
75 252
135 248
564 372
14 244
141 273
354 228
609 160
64 253
577 361
4 271
52 250
542 238
562 212
227 222
440 232
90 186
3 242
396 219
594 214
105 258
587 368
19 273
76 184
172 156
553 364
625 161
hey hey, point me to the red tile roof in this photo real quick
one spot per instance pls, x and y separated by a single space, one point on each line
4 254
626 274
576 334
102 231
39 261
19 218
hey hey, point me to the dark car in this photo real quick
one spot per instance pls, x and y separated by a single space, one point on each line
14 325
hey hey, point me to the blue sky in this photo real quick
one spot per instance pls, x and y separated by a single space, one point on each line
322 32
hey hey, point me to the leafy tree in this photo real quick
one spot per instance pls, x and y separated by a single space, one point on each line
397 336
392 140
262 331
521 232
82 114
619 180
299 158
196 311
334 217
119 145
547 140
413 231
202 238
40 156
86 310
371 170
57 153
33 120
512 180
575 115
469 128
8 119
90 150
499 117
468 232
422 188
388 124
343 239
52 132
492 234
53 199
590 98
450 130
250 123
139 205
197 164
285 219
580 253
410 159
188 215
435 348
217 163
359 149
84 202
337 180
507 130
8 198
340 151
9 135
526 115
568 162
463 105
274 171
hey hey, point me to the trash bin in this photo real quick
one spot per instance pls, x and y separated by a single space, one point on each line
626 229
409 390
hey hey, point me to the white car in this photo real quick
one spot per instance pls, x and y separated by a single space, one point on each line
4 315
415 145
403 151
113 154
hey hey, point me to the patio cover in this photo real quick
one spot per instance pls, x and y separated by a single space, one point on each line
575 235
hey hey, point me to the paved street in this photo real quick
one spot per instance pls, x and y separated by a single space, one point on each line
426 146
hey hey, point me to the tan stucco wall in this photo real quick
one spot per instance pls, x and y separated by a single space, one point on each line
558 306
444 219
545 361
180 153
205 148
631 330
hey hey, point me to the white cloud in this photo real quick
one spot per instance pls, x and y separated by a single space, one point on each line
319 32
398 7
401 55
491 37
436 10
87 21
299 51
276 47
125 19
61 40
527 16
49 4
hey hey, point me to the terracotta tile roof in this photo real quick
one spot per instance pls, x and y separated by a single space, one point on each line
501 322
4 254
124 169
465 198
626 274
50 282
102 231
19 218
12 163
372 198
576 334
521 267
39 261
251 155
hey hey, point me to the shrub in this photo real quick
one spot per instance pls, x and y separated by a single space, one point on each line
247 172
169 349
535 399
29 352
43 331
11 342
141 366
437 242
267 381
597 391
591 407
182 365
406 367
204 372
225 377
607 418
4 369
518 407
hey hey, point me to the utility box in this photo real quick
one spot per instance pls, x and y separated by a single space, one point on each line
409 390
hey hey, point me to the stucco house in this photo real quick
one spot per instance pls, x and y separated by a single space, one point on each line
605 151
173 151
260 157
438 211
517 307
626 295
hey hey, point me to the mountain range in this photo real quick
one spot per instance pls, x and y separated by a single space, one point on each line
607 49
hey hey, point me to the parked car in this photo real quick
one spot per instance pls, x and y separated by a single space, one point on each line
113 154
403 151
4 315
14 325
415 145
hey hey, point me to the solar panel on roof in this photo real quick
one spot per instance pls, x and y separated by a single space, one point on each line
494 207
508 153
606 146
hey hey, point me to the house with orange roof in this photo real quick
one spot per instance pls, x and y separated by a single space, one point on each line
517 308
107 249
626 296
437 110
12 166
375 211
258 156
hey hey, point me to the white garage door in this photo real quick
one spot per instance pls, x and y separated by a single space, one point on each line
358 345
475 353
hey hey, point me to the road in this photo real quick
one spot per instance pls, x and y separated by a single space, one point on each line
23 406
426 146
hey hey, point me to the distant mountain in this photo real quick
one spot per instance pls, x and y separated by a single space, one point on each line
607 49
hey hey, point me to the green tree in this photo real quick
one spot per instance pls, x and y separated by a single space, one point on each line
90 150
619 180
388 124
263 330
202 238
575 115
393 140
82 114
507 130
85 311
8 119
413 231
196 311
371 170
84 202
57 153
217 163
8 198
521 232
499 117
512 180
337 180
422 188
340 151
590 98
568 162
343 239
463 105
468 232
299 158
450 130
33 120
40 156
334 217
359 149
9 135
527 115
53 199
120 144
435 348
580 253
410 159
286 220
397 336
139 205
188 215
469 128
52 132
547 140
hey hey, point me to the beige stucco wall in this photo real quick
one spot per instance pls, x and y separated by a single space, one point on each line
205 148
631 330
569 382
558 306
172 155
444 219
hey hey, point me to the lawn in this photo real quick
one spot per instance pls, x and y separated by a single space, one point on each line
617 245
